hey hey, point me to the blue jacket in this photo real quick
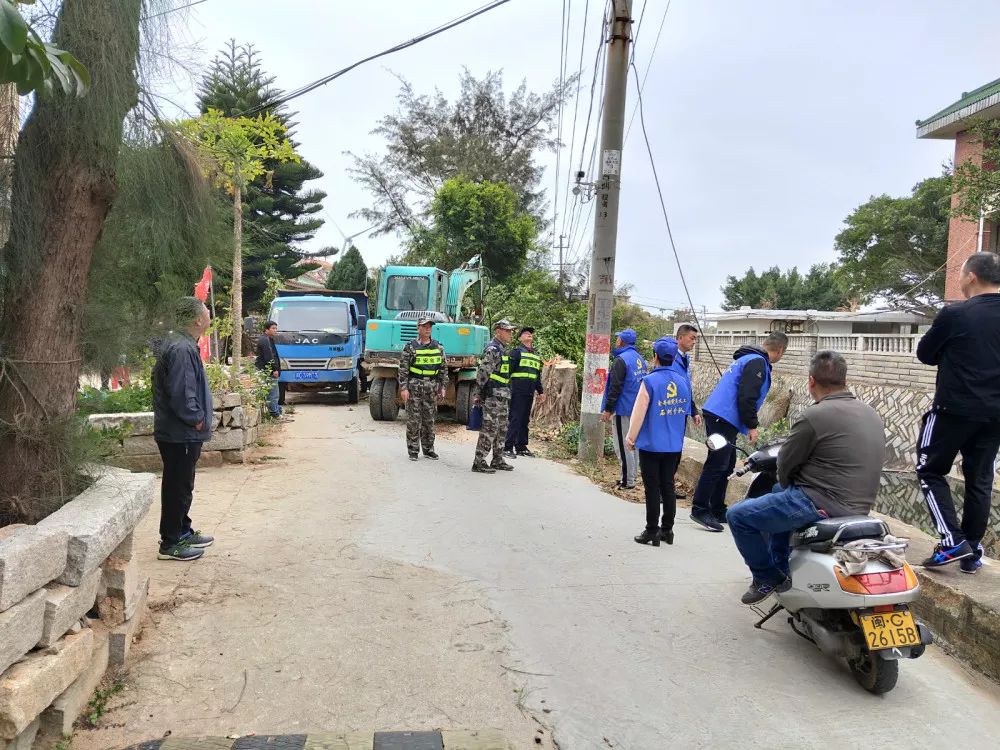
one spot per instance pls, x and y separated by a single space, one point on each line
742 390
622 385
669 407
182 396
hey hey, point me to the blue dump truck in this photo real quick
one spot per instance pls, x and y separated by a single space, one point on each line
321 340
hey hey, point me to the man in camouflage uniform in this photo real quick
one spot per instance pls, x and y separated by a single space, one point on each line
493 394
422 379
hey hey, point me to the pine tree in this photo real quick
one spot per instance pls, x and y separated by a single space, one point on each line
350 273
278 214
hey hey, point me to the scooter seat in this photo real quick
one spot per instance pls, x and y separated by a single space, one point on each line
842 528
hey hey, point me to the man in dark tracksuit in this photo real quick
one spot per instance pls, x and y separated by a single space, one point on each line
964 343
525 382
182 422
730 410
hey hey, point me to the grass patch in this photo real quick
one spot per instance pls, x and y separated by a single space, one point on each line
98 705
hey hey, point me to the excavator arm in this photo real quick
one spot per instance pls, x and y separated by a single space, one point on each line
460 281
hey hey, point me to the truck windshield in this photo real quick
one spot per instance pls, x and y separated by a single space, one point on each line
314 315
407 293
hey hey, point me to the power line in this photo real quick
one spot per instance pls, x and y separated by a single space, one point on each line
649 64
638 28
563 44
576 107
666 219
285 98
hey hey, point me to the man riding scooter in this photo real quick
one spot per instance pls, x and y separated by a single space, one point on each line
829 466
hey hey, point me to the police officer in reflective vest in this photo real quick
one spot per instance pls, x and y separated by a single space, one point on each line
620 391
493 394
525 382
422 379
731 410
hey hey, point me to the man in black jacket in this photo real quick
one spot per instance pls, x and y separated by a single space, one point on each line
964 343
182 422
269 361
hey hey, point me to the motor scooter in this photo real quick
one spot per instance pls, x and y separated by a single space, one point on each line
851 589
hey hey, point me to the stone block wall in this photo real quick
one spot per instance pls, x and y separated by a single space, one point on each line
72 598
234 430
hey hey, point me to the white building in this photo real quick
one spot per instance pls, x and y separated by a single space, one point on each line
750 322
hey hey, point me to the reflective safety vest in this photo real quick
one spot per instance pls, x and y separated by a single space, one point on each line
427 363
530 366
502 376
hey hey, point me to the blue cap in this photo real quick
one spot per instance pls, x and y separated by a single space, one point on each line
665 348
628 336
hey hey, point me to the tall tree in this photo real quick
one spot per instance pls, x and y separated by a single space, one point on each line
238 149
774 289
167 224
483 136
278 212
475 218
64 186
349 273
896 249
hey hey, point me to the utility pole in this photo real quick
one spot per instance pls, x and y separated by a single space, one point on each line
602 263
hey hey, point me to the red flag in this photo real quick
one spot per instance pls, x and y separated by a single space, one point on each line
201 290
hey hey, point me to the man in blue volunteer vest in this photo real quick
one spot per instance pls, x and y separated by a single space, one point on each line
657 427
731 410
620 391
525 382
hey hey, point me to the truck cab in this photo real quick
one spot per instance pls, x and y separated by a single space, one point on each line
320 340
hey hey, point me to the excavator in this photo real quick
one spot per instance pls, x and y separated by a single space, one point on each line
406 293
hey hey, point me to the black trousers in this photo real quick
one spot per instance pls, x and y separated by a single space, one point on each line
942 438
658 470
710 492
520 415
176 489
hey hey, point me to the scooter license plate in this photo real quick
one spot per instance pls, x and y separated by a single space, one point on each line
889 630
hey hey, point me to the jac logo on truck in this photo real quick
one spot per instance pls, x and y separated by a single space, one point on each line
306 340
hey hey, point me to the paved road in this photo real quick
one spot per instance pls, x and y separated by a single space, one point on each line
353 590
642 647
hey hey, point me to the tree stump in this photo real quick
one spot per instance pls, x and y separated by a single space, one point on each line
562 396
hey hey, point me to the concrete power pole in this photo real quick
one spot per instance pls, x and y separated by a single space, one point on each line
602 263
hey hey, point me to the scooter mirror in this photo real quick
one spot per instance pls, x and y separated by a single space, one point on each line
716 442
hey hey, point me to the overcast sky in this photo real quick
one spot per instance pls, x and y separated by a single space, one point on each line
770 120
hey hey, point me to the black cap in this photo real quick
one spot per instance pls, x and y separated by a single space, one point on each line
526 329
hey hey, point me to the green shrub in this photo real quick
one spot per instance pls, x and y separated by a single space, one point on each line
131 398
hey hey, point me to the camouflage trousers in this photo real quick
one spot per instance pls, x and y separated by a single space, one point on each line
494 430
421 409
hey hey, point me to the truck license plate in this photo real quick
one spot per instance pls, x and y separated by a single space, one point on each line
307 375
890 630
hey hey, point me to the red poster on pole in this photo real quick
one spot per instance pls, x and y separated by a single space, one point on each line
201 291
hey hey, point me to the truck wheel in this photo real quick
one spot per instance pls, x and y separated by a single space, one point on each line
375 399
352 391
463 402
390 407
